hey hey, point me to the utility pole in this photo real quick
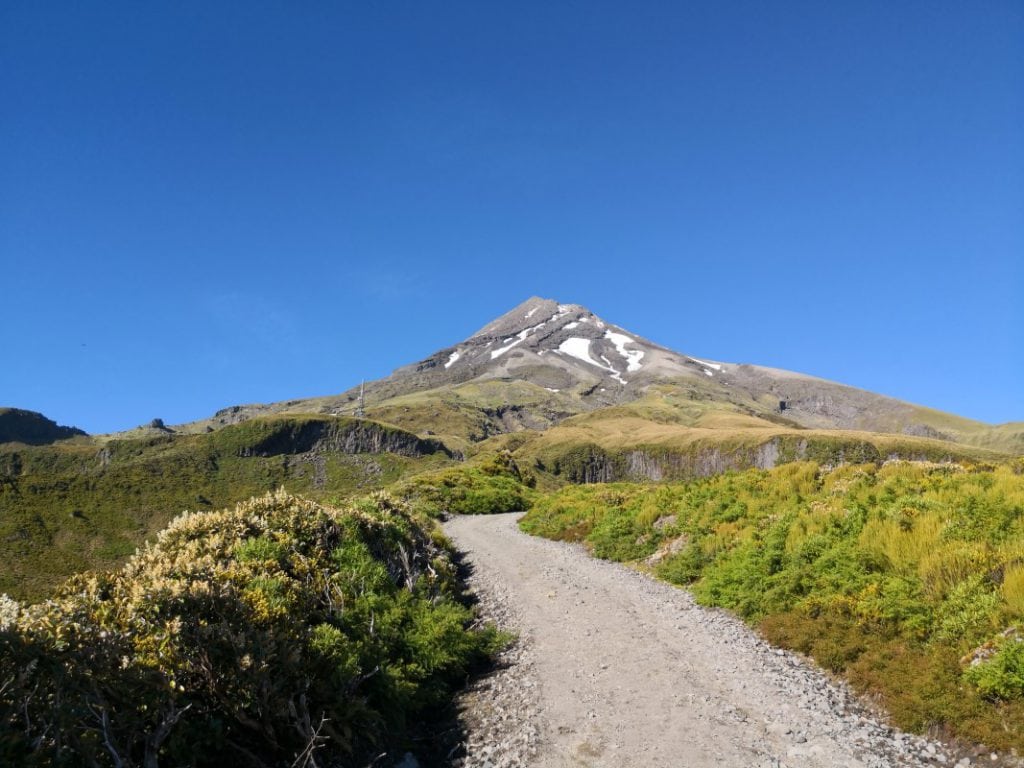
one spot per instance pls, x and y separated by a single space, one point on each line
362 400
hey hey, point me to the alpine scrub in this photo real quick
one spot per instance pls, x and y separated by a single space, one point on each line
493 485
278 632
905 577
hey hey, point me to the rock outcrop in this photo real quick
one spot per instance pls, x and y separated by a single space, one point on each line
31 428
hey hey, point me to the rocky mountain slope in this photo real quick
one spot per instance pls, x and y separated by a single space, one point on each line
543 363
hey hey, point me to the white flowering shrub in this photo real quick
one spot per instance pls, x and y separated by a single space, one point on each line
281 632
9 610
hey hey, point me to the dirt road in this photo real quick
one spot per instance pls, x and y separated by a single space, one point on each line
628 671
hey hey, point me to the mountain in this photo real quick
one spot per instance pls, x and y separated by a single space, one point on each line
544 364
31 428
569 396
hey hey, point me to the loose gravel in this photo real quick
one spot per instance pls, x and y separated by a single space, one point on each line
614 668
500 713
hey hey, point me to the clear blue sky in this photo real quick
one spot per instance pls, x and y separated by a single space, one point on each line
204 204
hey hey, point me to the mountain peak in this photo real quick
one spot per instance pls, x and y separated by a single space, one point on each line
560 346
519 317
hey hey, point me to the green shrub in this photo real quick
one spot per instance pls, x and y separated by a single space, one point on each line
267 630
683 568
260 550
1002 675
969 613
617 536
493 486
68 508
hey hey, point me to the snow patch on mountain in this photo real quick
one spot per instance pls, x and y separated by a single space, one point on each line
451 359
518 339
580 349
632 356
716 366
563 310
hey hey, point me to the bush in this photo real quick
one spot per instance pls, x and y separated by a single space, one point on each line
1001 676
684 568
493 486
245 637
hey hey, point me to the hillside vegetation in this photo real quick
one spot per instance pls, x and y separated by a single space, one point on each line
616 444
907 578
281 632
492 485
72 507
673 414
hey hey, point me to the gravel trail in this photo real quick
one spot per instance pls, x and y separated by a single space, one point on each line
616 669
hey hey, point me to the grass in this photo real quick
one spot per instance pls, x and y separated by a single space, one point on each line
472 412
1006 438
890 574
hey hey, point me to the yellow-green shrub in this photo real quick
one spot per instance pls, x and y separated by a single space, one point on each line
263 630
1013 588
493 486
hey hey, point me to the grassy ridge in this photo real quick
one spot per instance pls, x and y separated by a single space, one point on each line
469 413
601 449
899 576
68 508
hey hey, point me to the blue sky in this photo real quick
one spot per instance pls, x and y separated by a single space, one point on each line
204 204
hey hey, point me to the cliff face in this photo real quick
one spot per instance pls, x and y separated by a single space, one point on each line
590 463
31 428
338 436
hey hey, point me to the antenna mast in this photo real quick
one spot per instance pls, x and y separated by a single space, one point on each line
362 399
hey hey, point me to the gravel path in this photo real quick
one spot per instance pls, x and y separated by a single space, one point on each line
616 669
